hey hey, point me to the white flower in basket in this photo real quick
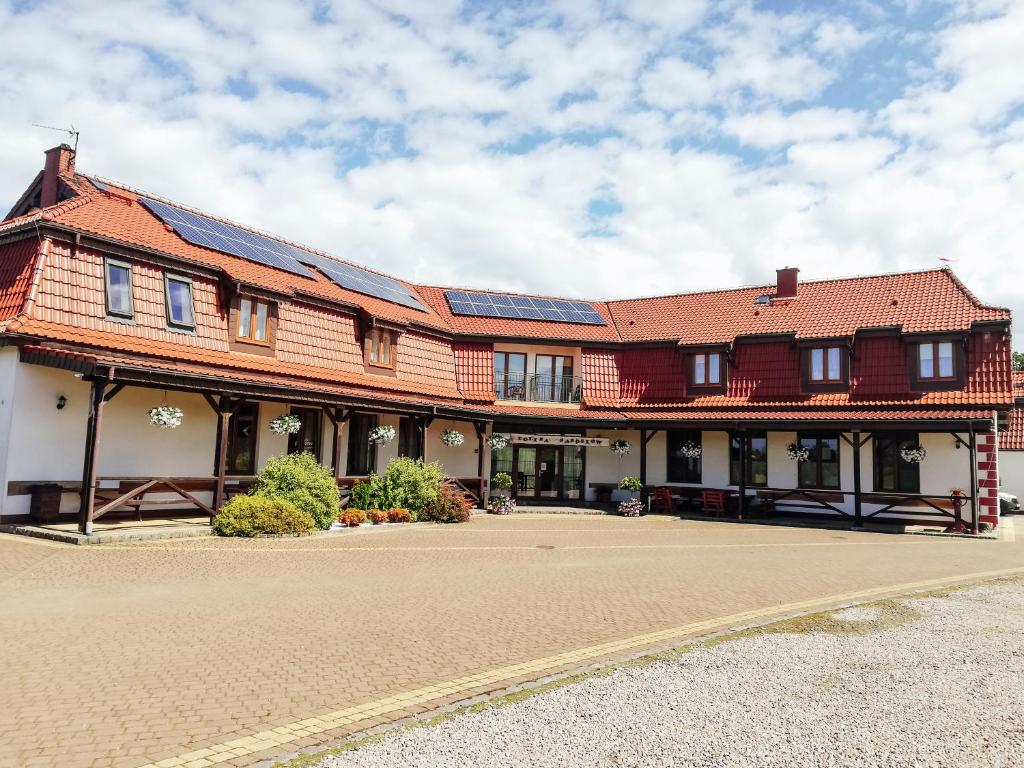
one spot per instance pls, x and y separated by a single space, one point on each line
496 442
690 450
382 434
631 507
797 452
165 417
620 447
452 438
913 454
288 424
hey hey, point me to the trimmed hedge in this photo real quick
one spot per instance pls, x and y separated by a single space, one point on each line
256 516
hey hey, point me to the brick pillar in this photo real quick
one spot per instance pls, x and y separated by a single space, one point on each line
988 478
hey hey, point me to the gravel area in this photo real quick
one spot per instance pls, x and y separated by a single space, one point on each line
933 681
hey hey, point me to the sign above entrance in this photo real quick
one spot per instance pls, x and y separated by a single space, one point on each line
557 440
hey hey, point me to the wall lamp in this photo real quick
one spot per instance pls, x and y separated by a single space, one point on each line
61 402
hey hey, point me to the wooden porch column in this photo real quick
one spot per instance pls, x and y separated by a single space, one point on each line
423 424
481 429
858 517
973 453
337 417
643 461
742 501
223 430
92 443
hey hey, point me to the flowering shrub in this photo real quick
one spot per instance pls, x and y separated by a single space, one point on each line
452 438
631 507
620 447
501 505
406 483
382 434
165 417
913 454
690 450
399 515
288 424
502 481
631 484
496 442
377 516
797 452
352 517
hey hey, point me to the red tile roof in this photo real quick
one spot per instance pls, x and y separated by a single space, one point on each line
1013 438
474 371
17 261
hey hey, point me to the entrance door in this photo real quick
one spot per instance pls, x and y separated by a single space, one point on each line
538 470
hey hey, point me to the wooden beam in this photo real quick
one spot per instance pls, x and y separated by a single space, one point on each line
337 420
87 507
113 392
742 501
225 412
643 461
858 511
481 428
973 453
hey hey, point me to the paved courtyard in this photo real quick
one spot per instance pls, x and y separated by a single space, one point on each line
203 651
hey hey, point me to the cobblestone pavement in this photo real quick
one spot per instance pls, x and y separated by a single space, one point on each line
149 652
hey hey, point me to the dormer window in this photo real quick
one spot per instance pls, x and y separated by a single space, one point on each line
935 361
707 369
379 348
936 364
826 364
253 320
825 369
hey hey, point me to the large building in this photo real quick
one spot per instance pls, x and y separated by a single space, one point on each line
869 398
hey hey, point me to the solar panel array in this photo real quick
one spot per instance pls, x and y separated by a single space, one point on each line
209 233
522 307
102 187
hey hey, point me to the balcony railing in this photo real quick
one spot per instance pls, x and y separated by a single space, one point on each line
538 388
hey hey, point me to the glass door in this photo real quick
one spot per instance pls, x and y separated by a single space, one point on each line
548 460
553 382
526 473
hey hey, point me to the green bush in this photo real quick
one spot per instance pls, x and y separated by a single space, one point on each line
362 496
406 483
303 481
256 515
450 506
502 481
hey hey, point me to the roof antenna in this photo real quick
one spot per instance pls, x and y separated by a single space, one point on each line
71 132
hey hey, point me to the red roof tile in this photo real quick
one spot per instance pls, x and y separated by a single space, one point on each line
1013 438
914 301
601 377
17 261
474 370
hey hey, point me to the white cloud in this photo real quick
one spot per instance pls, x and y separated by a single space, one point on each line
641 101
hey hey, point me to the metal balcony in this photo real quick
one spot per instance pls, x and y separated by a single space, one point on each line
536 388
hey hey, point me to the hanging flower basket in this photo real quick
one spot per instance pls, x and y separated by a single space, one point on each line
631 507
452 438
690 450
797 452
382 434
913 454
620 447
496 442
165 416
501 505
288 424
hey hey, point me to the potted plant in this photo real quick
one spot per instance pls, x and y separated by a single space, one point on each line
165 416
631 507
797 452
452 438
287 424
496 441
382 434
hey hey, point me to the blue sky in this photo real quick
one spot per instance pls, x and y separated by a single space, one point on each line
594 148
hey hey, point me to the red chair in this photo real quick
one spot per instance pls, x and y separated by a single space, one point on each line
663 503
713 502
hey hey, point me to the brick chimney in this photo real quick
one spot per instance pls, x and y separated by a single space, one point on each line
59 160
786 282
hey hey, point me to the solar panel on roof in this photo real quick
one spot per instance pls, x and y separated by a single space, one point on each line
506 305
210 233
100 185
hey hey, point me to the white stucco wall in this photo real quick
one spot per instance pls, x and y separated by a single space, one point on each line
603 466
1011 472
